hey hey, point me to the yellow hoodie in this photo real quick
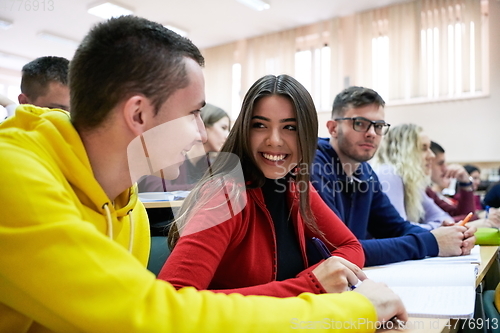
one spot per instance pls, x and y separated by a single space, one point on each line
66 263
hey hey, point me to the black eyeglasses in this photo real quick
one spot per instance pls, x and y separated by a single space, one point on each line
361 124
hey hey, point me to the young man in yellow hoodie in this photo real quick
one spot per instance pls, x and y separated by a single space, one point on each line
74 239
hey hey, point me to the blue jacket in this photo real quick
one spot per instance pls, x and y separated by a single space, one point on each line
359 201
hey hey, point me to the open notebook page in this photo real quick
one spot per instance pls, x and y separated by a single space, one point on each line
446 291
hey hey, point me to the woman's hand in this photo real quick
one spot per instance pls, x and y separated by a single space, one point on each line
337 274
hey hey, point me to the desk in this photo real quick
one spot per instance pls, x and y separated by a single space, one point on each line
163 204
489 266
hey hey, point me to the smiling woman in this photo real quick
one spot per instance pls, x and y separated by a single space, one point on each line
273 137
261 224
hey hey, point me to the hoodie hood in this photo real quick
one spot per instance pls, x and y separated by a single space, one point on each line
50 133
47 126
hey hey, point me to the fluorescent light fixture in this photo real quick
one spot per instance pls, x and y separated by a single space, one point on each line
58 39
13 61
255 4
180 31
108 10
4 24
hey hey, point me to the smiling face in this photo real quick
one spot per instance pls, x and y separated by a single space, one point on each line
273 136
428 156
177 126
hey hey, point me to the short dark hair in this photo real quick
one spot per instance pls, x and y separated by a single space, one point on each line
355 97
125 56
471 168
436 148
37 74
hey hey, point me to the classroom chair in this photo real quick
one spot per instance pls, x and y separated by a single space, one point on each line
158 254
492 317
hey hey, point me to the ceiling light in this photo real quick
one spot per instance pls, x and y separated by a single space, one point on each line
255 4
13 61
59 39
4 24
175 29
108 10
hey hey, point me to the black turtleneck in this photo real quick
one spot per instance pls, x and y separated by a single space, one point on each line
290 261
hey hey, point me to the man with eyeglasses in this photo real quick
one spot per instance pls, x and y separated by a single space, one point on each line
346 182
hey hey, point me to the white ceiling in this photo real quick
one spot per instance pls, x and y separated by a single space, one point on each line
209 22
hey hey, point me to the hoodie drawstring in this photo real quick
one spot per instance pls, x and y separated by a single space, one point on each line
109 223
131 239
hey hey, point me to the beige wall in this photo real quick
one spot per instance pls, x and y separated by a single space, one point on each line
469 130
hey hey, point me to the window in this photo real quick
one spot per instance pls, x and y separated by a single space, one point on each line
312 69
447 60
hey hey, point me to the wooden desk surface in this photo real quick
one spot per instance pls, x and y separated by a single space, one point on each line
439 325
488 256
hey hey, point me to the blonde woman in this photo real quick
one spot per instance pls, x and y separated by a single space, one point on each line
404 164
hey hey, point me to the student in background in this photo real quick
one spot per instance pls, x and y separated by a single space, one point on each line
458 209
197 162
74 239
44 83
492 196
475 173
267 237
348 185
403 164
441 175
198 159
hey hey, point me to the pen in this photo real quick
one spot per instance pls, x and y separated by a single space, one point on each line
325 254
392 324
354 286
400 324
487 210
465 220
321 247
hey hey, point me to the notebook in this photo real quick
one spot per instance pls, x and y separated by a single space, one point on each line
431 291
162 196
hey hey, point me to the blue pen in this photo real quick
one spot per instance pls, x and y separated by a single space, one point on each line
325 253
321 247
487 210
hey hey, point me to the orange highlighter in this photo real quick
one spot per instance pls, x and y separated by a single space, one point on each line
465 220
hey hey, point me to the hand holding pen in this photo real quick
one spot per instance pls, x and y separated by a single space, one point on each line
336 274
465 220
469 238
388 305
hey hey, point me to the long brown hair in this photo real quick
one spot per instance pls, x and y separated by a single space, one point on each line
238 143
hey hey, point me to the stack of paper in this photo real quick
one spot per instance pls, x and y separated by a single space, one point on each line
444 290
162 196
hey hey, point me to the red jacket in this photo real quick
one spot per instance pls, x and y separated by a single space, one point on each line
239 255
459 211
